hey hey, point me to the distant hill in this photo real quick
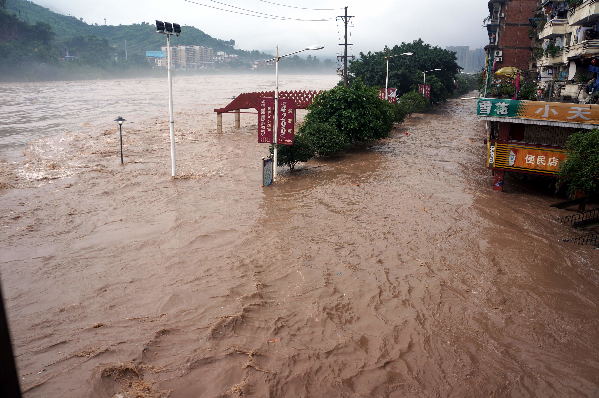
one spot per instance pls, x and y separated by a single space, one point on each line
140 37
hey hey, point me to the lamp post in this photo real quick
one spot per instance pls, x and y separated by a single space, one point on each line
169 29
428 71
276 59
387 78
120 121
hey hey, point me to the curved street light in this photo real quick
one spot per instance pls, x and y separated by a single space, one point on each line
276 59
387 78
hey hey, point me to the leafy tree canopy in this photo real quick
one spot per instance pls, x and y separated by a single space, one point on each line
406 72
581 169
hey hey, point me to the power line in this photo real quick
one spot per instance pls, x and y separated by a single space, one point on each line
254 13
296 7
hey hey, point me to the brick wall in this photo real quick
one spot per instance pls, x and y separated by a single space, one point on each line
514 38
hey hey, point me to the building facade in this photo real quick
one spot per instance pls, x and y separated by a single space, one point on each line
508 27
568 35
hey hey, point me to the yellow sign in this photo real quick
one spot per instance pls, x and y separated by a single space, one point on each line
525 158
562 112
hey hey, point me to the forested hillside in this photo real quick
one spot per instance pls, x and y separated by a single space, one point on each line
140 37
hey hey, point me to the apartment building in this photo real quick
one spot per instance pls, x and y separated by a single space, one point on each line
190 57
508 27
569 42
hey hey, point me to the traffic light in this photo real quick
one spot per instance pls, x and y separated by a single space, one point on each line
159 26
169 27
177 28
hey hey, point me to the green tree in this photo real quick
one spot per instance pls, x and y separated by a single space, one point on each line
405 72
355 111
290 155
324 139
580 171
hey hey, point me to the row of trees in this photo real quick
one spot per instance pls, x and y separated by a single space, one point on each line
406 72
354 115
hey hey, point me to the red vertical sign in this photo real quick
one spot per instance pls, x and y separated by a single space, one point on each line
391 95
425 90
266 120
286 130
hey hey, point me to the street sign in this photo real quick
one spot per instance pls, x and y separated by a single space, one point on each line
392 95
286 130
266 120
425 90
267 171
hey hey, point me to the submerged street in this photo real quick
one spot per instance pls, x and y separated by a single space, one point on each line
392 271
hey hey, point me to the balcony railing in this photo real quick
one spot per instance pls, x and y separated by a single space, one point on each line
587 47
553 28
585 13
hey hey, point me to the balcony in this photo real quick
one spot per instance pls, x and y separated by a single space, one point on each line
554 28
584 49
585 14
549 60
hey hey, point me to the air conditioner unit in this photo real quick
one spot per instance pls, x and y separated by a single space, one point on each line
498 59
498 53
502 15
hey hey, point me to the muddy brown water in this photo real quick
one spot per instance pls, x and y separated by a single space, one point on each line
391 271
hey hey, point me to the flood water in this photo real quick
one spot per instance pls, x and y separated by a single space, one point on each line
392 271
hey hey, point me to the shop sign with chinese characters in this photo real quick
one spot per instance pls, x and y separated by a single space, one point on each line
539 110
392 95
266 121
525 158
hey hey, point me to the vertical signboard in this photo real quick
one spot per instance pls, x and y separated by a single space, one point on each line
425 90
391 95
286 130
266 120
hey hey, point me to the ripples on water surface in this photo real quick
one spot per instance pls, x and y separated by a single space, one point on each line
32 110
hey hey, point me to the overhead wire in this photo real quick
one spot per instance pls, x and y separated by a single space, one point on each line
297 7
252 13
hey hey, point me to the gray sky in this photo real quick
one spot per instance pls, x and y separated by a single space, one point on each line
377 22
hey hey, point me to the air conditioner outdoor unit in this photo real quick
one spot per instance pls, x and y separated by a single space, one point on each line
498 59
499 53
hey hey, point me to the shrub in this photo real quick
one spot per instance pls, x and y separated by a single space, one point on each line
290 155
325 139
412 102
355 111
580 171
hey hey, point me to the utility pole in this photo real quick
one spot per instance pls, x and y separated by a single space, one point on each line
346 18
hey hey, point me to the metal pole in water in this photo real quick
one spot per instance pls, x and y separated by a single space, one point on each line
121 139
276 126
170 106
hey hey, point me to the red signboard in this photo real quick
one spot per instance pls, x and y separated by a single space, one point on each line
392 95
266 120
425 90
286 130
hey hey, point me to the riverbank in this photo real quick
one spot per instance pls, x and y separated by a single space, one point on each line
395 271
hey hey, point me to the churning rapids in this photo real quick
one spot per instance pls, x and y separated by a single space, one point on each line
393 271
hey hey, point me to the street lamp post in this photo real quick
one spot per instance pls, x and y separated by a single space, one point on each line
169 29
120 121
276 59
425 72
387 78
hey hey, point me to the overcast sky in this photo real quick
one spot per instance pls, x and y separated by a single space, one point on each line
376 22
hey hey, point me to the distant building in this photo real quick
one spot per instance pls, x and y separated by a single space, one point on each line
471 61
191 57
